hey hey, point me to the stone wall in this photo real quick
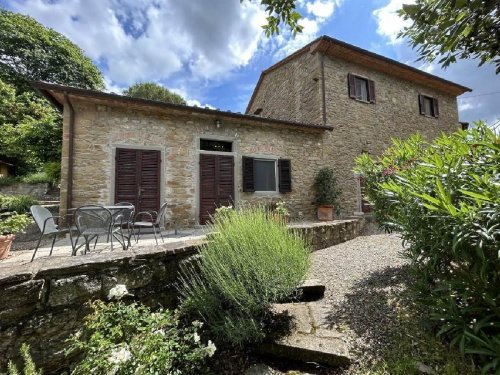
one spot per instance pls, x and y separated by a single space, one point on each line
35 190
358 126
43 302
292 91
100 129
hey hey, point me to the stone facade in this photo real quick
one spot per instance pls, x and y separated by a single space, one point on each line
35 190
102 127
358 126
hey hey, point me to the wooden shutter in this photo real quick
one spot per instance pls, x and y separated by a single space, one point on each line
351 85
149 183
421 106
225 180
371 91
285 175
435 107
248 179
208 192
126 176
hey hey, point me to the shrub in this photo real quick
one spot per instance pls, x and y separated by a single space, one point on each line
13 223
9 180
131 339
36 178
18 203
29 365
53 172
252 262
325 185
444 199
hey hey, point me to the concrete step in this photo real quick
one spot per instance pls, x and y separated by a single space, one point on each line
310 340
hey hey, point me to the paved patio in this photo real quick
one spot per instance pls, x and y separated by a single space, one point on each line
62 247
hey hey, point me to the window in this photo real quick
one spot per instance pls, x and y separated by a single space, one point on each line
360 88
264 175
211 145
428 106
261 174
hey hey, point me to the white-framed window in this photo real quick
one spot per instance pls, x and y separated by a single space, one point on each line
265 174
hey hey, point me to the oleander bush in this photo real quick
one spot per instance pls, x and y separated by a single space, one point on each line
121 338
251 262
444 199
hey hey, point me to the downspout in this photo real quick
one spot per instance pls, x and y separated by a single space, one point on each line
71 144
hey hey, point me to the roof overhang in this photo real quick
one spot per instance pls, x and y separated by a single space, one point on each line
337 49
56 93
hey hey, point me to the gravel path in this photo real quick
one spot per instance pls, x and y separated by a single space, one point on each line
362 276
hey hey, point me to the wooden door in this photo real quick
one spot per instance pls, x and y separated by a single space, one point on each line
216 184
137 178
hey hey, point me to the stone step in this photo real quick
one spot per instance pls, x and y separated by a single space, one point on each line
312 290
310 340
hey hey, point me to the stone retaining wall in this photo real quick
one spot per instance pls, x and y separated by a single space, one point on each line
43 302
325 234
38 191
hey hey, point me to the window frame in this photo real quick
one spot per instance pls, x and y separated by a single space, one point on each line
434 105
370 88
276 174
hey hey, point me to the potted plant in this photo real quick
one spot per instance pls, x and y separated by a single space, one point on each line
281 212
10 224
327 194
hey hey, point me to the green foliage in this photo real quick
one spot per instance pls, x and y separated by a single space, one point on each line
14 223
153 91
325 186
281 208
252 262
444 199
9 180
16 203
31 51
453 29
131 339
31 129
35 178
29 365
53 172
281 11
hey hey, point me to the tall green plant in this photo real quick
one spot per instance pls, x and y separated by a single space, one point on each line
444 199
251 262
326 188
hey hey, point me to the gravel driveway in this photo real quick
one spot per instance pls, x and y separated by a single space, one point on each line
362 276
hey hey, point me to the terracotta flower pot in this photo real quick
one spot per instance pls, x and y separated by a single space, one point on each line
325 213
5 244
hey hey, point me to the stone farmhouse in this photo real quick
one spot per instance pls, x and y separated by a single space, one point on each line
321 106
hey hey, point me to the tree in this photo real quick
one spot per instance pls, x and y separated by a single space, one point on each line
281 11
30 51
153 91
452 29
31 129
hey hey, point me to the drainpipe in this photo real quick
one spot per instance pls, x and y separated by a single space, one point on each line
323 99
71 144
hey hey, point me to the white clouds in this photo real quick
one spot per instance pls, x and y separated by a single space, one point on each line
319 11
389 23
156 39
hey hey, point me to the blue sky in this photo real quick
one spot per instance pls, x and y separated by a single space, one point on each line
212 52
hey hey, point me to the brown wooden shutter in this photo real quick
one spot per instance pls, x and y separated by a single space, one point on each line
208 192
351 85
248 180
225 180
435 107
371 91
126 176
285 175
149 184
421 106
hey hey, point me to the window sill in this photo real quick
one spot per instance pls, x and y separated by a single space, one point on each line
362 101
429 116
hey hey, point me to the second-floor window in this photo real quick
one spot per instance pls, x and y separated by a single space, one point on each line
428 105
361 88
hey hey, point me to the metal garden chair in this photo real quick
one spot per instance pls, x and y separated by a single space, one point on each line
47 224
155 221
125 219
93 221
